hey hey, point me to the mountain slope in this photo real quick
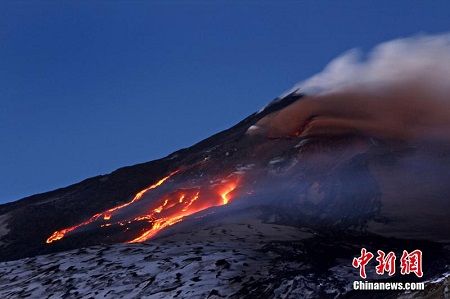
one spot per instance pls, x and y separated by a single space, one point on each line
28 222
250 260
236 215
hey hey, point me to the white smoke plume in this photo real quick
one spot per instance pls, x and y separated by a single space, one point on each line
421 58
400 91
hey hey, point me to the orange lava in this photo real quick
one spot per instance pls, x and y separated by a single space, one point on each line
167 210
183 203
58 235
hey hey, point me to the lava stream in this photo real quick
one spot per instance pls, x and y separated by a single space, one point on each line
57 235
184 203
166 210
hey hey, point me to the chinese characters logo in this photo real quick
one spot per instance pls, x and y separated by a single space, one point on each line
410 262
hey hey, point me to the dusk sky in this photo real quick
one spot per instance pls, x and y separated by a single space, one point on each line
88 87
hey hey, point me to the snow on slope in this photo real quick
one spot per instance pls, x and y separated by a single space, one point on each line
184 266
250 259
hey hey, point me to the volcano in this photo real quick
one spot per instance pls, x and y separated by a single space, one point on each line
236 215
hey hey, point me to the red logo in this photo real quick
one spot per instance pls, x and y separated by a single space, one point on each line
386 263
362 261
409 262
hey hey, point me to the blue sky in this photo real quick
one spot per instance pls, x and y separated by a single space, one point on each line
87 87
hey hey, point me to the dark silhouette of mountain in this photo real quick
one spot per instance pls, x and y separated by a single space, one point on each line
30 221
254 216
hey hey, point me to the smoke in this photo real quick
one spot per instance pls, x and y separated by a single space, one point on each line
423 59
400 90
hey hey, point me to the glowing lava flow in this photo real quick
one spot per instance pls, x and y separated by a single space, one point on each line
57 235
165 210
183 203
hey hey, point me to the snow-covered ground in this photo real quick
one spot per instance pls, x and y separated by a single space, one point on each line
235 260
185 266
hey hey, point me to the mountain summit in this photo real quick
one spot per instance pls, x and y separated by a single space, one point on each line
265 216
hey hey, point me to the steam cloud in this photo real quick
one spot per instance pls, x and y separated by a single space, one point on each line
400 91
401 61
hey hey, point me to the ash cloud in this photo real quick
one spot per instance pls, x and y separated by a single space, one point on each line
401 90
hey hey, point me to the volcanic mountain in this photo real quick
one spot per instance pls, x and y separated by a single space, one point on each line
236 215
